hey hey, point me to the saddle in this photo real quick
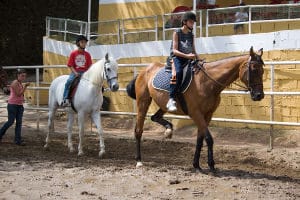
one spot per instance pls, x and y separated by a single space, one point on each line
72 91
73 87
161 80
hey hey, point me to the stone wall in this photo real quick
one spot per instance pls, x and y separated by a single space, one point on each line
23 26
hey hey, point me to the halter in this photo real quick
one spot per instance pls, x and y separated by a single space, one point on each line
108 79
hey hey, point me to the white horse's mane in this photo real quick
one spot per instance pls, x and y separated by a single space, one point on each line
95 73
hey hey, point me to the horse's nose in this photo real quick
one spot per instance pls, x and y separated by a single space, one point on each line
115 87
257 96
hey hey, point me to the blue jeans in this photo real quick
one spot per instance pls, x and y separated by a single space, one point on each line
14 112
179 65
68 84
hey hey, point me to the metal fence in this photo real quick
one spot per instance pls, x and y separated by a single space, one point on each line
256 14
271 65
158 27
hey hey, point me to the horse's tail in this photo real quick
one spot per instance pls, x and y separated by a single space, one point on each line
130 88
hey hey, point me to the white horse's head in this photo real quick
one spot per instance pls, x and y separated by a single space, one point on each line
106 68
111 73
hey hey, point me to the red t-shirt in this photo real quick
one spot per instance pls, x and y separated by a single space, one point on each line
80 60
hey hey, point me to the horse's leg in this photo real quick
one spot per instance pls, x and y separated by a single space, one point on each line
50 125
70 130
199 120
97 120
210 154
81 132
158 117
143 104
200 138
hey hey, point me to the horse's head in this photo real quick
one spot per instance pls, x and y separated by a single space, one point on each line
111 73
3 81
252 75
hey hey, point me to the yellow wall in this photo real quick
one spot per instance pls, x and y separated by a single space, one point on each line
159 7
232 106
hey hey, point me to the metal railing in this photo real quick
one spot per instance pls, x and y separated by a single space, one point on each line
101 30
67 29
272 93
172 21
147 24
256 14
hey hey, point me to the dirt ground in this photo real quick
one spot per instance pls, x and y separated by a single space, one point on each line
245 170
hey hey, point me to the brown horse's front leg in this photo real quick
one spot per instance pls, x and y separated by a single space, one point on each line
210 152
199 144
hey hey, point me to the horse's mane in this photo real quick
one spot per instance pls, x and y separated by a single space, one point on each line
96 72
217 62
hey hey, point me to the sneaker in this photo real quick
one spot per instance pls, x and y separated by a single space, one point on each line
171 105
66 103
22 143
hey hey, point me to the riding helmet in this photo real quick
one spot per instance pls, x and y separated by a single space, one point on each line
81 37
189 15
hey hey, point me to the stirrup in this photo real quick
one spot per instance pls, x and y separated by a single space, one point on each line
171 105
66 103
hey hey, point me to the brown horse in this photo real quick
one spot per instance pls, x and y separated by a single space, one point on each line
3 81
202 97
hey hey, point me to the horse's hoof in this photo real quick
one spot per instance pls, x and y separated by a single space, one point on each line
139 164
212 170
168 133
198 170
46 146
101 154
80 153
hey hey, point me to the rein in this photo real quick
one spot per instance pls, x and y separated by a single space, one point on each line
248 88
201 66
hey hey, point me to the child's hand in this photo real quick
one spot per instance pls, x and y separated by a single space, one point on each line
191 56
27 84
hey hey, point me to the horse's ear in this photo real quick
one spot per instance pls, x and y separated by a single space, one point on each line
260 52
251 52
106 56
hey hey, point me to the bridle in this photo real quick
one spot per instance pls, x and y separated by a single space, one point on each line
248 64
251 84
108 79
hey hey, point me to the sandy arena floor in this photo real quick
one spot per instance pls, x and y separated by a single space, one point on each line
245 170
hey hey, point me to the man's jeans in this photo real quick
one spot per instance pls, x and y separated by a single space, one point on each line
14 112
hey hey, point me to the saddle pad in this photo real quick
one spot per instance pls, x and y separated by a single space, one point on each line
161 80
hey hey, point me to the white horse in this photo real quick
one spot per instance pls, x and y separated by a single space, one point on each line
87 99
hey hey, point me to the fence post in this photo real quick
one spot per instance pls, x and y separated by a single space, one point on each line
37 83
207 22
271 108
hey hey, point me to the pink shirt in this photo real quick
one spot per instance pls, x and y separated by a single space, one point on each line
13 98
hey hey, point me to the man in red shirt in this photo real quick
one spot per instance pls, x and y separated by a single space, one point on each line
79 62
